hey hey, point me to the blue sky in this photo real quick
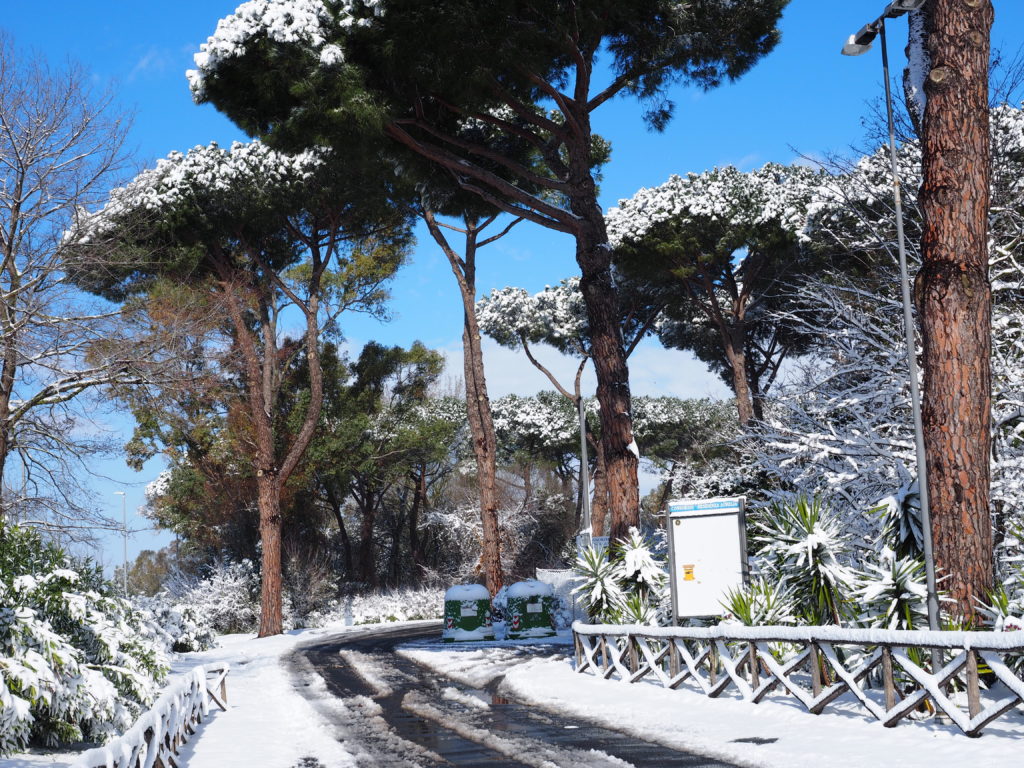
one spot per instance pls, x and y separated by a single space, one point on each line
803 99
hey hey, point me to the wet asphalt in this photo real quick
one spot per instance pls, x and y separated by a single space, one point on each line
409 722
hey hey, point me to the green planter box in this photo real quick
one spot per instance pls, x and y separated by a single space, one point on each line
530 610
467 614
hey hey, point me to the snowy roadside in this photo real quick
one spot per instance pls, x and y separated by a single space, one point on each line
777 733
268 722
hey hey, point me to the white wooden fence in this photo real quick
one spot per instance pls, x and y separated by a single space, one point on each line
154 740
888 673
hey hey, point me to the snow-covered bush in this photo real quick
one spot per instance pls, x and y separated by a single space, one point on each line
76 663
601 592
891 594
625 584
380 607
228 598
184 628
803 545
759 603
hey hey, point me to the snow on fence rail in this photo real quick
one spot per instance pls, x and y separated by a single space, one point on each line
886 671
154 739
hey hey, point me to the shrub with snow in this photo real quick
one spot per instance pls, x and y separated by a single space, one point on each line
185 630
624 585
802 543
227 599
380 607
76 663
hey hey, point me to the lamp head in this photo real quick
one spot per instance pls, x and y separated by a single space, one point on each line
900 7
861 42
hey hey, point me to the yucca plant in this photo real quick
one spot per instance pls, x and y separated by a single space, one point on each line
892 594
600 591
803 545
760 603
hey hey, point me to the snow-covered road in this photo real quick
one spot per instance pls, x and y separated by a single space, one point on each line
394 712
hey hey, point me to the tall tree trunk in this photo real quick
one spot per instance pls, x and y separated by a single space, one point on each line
599 504
954 296
418 502
339 518
593 255
269 502
478 405
740 382
367 565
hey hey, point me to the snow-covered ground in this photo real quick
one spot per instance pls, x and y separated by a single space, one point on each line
270 723
777 732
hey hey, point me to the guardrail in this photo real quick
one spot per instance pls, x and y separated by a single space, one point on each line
154 739
888 672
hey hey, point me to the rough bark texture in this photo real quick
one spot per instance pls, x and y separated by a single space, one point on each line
269 501
613 395
736 355
599 504
255 337
954 296
478 405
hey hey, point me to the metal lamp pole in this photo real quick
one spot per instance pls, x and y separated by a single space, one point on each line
588 529
858 44
124 537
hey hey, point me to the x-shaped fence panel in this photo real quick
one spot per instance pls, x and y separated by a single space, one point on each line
968 676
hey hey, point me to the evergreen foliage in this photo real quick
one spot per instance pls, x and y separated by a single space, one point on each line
76 662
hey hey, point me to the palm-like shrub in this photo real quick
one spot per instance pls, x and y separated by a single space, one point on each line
600 590
760 603
892 594
803 545
624 584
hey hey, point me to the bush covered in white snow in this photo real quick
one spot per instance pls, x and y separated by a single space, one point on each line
76 663
379 607
624 585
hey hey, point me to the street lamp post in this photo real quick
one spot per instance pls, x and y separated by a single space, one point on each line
124 537
588 526
855 46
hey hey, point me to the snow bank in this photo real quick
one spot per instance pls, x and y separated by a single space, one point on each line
268 722
467 592
530 588
775 733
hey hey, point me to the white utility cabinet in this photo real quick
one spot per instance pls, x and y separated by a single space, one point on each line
707 546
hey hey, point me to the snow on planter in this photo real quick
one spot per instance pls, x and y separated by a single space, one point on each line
530 610
467 614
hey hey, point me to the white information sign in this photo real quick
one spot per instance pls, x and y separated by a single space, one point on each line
707 553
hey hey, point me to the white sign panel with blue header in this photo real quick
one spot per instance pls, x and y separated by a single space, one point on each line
707 544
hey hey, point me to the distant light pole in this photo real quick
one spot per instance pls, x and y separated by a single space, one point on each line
855 46
588 523
124 536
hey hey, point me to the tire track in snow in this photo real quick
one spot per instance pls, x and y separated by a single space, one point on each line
531 752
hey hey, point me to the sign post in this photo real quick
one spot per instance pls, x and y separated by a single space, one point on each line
707 552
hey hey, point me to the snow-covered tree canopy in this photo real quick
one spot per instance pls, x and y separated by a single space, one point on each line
354 44
214 204
716 248
740 206
555 316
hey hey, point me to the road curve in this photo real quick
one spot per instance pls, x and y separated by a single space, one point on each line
393 712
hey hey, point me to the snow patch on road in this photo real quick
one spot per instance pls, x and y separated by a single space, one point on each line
465 699
369 669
